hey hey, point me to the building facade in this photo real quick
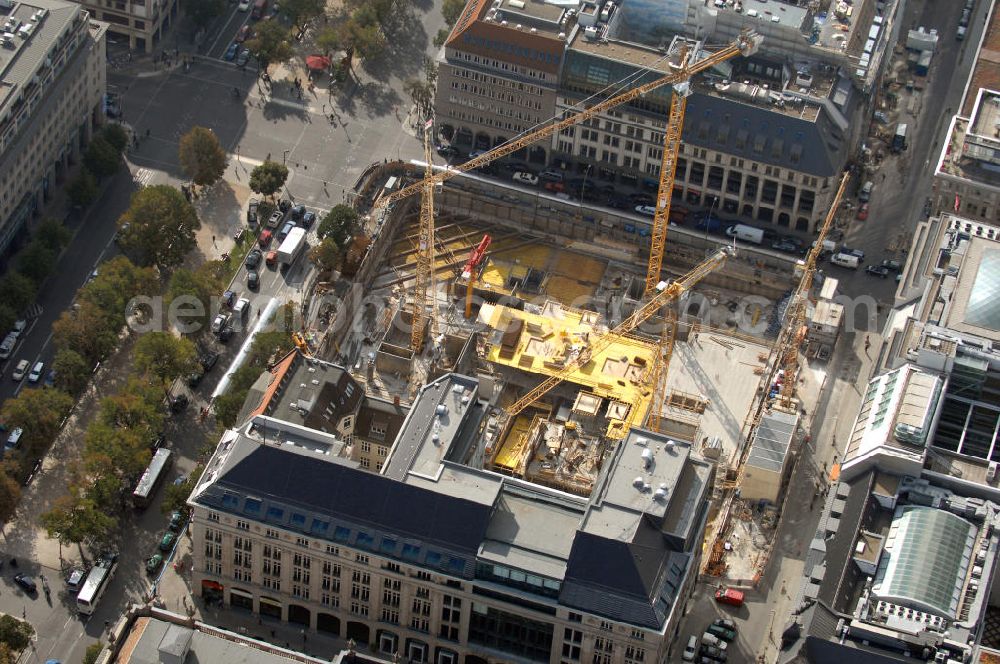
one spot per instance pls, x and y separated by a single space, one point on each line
139 24
52 60
442 562
765 137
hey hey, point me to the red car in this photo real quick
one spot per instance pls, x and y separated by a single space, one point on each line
264 239
271 259
863 212
245 33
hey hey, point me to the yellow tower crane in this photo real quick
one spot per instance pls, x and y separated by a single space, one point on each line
424 296
665 293
746 44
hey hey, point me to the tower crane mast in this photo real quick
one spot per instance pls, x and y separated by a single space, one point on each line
423 287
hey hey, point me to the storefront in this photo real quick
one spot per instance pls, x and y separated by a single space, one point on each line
212 591
270 608
240 599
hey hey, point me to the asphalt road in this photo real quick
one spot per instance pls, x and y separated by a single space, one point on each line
93 242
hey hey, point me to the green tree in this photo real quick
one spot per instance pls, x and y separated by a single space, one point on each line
301 12
15 633
452 10
137 408
201 284
10 493
361 36
118 282
164 356
328 40
201 156
83 189
114 452
94 649
270 44
36 261
339 223
326 254
101 158
441 37
201 12
17 291
116 136
159 226
72 371
87 330
7 656
53 234
76 519
39 413
7 316
422 94
268 178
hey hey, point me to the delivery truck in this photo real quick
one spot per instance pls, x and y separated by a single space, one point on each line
291 246
746 233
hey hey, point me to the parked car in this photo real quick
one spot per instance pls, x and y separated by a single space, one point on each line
271 260
75 578
646 210
721 632
447 150
725 622
208 360
176 520
253 258
712 640
36 372
195 377
526 178
477 153
178 403
252 211
219 322
253 280
862 214
551 176
892 265
298 211
13 439
153 563
243 57
230 53
285 230
244 34
691 649
50 378
877 271
284 205
19 327
729 596
275 219
26 582
308 219
167 541
20 370
712 653
264 239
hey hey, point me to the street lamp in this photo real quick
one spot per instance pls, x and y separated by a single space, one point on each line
708 219
586 172
284 157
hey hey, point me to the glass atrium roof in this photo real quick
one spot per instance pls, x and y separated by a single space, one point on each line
983 308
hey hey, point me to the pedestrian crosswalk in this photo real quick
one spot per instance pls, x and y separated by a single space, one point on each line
143 177
34 311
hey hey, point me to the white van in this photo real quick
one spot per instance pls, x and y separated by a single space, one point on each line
849 261
7 346
241 310
691 650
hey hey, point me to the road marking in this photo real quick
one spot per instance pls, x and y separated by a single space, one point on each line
142 177
223 31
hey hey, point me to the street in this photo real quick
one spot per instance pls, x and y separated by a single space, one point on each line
897 204
325 157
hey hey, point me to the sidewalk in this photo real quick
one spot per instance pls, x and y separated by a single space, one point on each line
175 592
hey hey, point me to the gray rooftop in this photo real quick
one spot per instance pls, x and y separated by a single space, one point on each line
770 444
34 32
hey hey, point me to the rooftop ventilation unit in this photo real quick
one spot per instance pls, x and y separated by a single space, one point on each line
647 457
516 4
638 483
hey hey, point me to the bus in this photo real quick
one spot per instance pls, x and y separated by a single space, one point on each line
97 582
151 478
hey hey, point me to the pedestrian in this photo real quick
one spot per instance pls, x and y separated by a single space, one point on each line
177 52
24 613
272 633
147 133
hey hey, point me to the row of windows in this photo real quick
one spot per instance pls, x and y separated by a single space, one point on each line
486 91
499 111
499 82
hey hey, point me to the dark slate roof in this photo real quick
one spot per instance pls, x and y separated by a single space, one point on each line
618 579
822 148
357 497
840 547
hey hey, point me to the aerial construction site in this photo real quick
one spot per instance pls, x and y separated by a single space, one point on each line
580 332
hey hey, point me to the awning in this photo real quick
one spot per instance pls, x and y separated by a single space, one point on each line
213 585
271 602
241 593
317 62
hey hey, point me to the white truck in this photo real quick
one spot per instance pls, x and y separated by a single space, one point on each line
292 246
746 233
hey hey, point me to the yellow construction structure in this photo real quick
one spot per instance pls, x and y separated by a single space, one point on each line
658 378
579 358
423 286
746 44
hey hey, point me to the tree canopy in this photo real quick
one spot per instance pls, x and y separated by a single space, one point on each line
452 10
39 413
326 254
101 158
72 371
270 44
300 12
201 156
268 178
165 357
159 227
339 224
